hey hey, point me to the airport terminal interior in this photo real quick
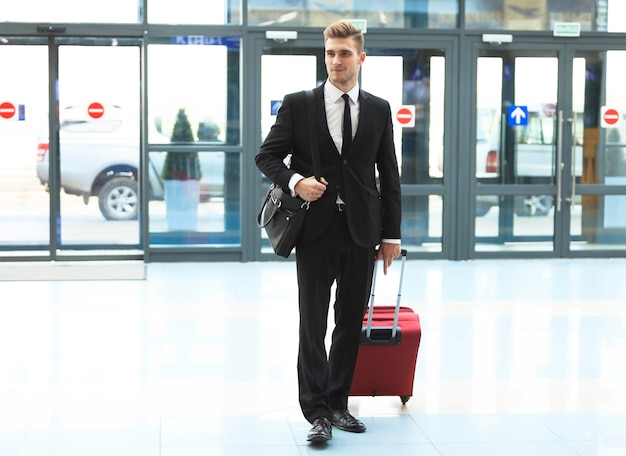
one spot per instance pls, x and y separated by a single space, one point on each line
142 310
517 357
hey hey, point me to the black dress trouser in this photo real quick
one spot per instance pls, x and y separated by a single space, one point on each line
324 379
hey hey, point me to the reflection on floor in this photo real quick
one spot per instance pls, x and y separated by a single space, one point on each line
518 357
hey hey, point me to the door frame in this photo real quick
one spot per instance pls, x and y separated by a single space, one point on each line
90 251
565 50
449 43
598 189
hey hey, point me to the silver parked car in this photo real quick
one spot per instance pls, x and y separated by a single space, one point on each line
100 157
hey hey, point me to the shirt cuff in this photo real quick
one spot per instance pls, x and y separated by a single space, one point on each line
391 241
293 181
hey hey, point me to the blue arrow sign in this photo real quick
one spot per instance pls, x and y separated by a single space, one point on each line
275 106
517 115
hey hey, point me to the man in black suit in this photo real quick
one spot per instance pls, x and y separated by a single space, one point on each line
348 218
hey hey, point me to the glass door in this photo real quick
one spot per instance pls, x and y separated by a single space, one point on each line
24 203
71 147
195 147
414 81
597 195
519 141
285 68
99 144
542 151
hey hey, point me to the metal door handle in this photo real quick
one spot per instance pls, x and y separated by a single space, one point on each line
573 120
559 161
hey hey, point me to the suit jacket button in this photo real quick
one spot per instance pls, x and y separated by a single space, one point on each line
345 162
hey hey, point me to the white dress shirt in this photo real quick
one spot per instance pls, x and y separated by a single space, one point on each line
334 105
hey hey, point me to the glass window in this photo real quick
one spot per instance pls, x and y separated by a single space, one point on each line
422 223
24 201
616 11
284 71
535 14
390 14
193 112
532 149
202 209
123 11
614 136
414 84
112 11
280 75
99 143
194 12
530 223
192 72
488 115
598 221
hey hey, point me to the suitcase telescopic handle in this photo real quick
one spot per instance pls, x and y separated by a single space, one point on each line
394 329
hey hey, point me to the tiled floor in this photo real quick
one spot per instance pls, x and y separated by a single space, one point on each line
518 357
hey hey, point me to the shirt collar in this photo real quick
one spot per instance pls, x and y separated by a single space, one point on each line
335 93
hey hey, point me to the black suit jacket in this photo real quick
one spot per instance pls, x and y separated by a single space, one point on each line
373 211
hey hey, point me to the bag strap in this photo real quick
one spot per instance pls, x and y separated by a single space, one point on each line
260 220
313 137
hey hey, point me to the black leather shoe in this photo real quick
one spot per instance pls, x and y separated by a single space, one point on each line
321 431
346 422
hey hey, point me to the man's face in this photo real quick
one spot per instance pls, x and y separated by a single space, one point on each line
343 62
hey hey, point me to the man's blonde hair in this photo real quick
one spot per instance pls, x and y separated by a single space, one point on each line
345 29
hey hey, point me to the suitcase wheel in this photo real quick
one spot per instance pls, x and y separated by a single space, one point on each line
405 399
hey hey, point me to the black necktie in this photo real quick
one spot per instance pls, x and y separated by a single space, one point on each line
347 124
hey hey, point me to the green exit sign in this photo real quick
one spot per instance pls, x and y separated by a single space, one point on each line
361 24
567 29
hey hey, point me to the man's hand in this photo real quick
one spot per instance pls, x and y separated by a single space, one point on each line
388 252
309 189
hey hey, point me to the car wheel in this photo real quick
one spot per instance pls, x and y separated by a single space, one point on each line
118 199
533 205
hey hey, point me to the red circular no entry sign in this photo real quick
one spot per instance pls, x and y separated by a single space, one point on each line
95 110
404 116
7 110
611 116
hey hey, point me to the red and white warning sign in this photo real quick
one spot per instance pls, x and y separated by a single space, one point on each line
7 110
609 117
95 110
549 109
405 116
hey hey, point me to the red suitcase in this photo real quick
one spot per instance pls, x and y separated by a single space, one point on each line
390 340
